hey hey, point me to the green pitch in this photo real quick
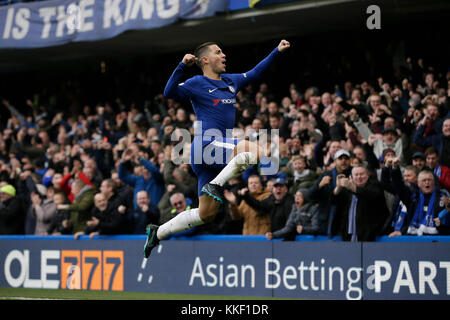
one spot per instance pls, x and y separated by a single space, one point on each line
30 294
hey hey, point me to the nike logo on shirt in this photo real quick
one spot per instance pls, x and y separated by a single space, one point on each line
212 90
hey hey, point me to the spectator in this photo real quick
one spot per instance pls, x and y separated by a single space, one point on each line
423 205
442 222
432 120
66 187
43 209
278 122
108 188
181 119
303 219
327 161
253 222
80 209
298 175
148 178
440 141
106 219
92 172
322 189
277 206
360 206
125 191
389 139
144 214
419 160
391 171
441 172
12 213
56 226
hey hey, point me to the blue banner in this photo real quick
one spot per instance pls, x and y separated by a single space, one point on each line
246 4
299 269
56 22
407 271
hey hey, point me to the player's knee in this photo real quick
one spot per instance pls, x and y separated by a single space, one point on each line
207 215
207 209
245 147
258 150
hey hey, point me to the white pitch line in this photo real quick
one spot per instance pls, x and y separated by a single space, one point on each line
26 298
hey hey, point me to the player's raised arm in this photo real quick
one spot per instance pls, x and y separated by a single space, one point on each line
284 45
174 87
262 66
189 59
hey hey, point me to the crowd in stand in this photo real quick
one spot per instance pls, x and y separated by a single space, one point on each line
365 160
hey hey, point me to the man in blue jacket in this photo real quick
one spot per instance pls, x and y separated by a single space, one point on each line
149 179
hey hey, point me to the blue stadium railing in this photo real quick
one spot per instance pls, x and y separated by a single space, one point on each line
299 238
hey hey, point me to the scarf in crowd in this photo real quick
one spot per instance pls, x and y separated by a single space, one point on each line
299 175
423 223
400 214
438 171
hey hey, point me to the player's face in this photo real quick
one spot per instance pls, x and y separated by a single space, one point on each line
216 59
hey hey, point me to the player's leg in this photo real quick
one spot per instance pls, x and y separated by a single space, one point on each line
185 220
245 154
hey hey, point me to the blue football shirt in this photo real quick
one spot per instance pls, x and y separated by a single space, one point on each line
214 101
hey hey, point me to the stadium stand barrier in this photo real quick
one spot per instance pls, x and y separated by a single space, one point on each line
309 268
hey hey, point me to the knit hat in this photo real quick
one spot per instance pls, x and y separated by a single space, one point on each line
8 189
304 192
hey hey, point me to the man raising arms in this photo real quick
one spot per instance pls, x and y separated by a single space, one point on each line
213 97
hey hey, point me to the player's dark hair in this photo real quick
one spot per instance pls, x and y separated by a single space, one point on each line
201 50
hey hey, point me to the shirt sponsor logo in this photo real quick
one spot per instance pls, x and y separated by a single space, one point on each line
224 101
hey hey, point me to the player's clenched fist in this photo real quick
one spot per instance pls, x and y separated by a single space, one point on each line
283 45
189 59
